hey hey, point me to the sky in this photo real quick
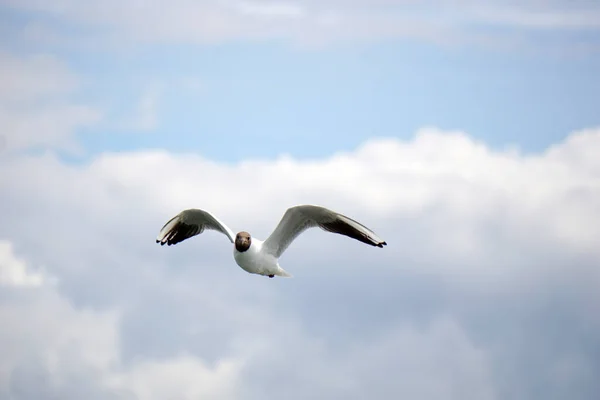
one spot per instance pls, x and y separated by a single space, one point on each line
464 133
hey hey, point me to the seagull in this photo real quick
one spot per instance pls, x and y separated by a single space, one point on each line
262 257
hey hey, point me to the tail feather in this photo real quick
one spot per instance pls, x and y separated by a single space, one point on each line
283 273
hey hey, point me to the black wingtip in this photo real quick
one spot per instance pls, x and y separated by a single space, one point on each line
381 244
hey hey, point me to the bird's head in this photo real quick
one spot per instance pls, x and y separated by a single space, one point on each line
242 241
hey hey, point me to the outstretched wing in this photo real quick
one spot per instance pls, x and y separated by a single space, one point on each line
300 218
189 223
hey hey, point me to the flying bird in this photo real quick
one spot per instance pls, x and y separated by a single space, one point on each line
262 257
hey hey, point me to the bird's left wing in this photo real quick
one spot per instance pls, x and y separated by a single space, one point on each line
189 223
300 218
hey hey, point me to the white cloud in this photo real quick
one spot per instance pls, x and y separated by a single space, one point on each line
542 19
50 126
185 21
185 377
13 271
33 78
488 286
270 9
437 172
437 361
46 330
35 108
77 347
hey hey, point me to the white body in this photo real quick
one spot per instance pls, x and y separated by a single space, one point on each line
256 261
262 257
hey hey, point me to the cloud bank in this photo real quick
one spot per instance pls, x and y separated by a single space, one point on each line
488 288
37 106
491 23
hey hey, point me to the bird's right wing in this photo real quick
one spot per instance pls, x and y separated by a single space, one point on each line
189 223
298 219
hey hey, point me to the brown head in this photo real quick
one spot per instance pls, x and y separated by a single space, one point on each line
242 241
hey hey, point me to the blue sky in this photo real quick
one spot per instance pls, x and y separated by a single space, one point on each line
502 82
116 115
263 100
